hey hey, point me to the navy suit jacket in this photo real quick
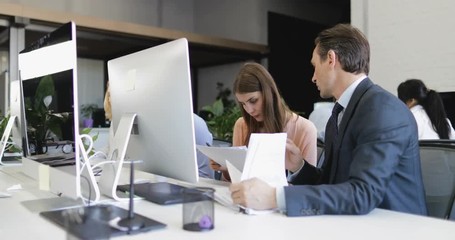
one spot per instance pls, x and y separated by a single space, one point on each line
376 162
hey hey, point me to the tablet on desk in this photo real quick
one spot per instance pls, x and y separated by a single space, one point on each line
93 219
162 193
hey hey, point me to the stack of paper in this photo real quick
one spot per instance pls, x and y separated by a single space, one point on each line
264 159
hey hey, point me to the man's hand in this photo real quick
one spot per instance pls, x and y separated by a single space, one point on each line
294 159
254 193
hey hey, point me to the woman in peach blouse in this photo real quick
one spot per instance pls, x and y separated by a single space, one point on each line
264 111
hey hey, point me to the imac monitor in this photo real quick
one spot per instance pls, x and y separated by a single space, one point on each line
3 88
155 84
19 131
14 132
48 72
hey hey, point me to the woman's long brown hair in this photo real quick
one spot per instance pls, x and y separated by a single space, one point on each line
254 77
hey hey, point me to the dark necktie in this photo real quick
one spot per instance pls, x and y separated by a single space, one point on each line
331 130
331 133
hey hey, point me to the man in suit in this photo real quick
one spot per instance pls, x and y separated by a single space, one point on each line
371 161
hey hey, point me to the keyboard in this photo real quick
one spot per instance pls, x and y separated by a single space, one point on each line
162 193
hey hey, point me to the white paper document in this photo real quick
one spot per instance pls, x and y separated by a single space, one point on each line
265 160
234 173
235 155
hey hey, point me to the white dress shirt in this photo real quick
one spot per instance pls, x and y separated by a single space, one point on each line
424 125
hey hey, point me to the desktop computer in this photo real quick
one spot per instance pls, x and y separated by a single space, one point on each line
155 85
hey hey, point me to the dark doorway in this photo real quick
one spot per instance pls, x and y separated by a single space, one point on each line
448 98
291 43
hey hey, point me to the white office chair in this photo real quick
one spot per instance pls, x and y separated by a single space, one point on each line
438 171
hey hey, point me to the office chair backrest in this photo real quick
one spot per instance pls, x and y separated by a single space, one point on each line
438 171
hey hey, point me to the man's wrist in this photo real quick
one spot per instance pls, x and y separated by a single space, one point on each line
280 199
298 168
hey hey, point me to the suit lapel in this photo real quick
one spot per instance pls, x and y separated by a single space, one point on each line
347 115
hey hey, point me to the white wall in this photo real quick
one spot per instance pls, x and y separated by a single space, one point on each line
4 85
409 39
210 77
90 85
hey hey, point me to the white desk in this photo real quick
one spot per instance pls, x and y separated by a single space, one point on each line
17 222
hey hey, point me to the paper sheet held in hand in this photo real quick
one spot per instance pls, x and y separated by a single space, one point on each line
235 155
265 159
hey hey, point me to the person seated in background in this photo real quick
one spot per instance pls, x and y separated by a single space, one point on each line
202 135
264 111
320 115
428 110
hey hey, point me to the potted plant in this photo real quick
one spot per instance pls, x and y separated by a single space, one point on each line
87 114
42 121
222 114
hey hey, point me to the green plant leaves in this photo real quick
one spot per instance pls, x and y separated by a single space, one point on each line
85 143
45 88
40 119
221 119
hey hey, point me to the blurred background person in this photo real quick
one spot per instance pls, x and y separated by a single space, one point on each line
203 137
320 115
428 109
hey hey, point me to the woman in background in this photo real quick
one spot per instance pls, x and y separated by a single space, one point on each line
427 107
264 111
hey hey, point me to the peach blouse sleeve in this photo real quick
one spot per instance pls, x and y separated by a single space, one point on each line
239 134
304 134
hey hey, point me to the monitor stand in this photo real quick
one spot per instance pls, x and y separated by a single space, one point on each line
111 171
4 143
131 222
87 181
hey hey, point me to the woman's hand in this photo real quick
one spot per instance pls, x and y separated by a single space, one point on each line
294 160
224 172
216 166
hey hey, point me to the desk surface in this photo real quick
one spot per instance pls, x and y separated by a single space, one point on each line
19 222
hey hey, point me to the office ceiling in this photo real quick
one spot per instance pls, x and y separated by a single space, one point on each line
105 46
